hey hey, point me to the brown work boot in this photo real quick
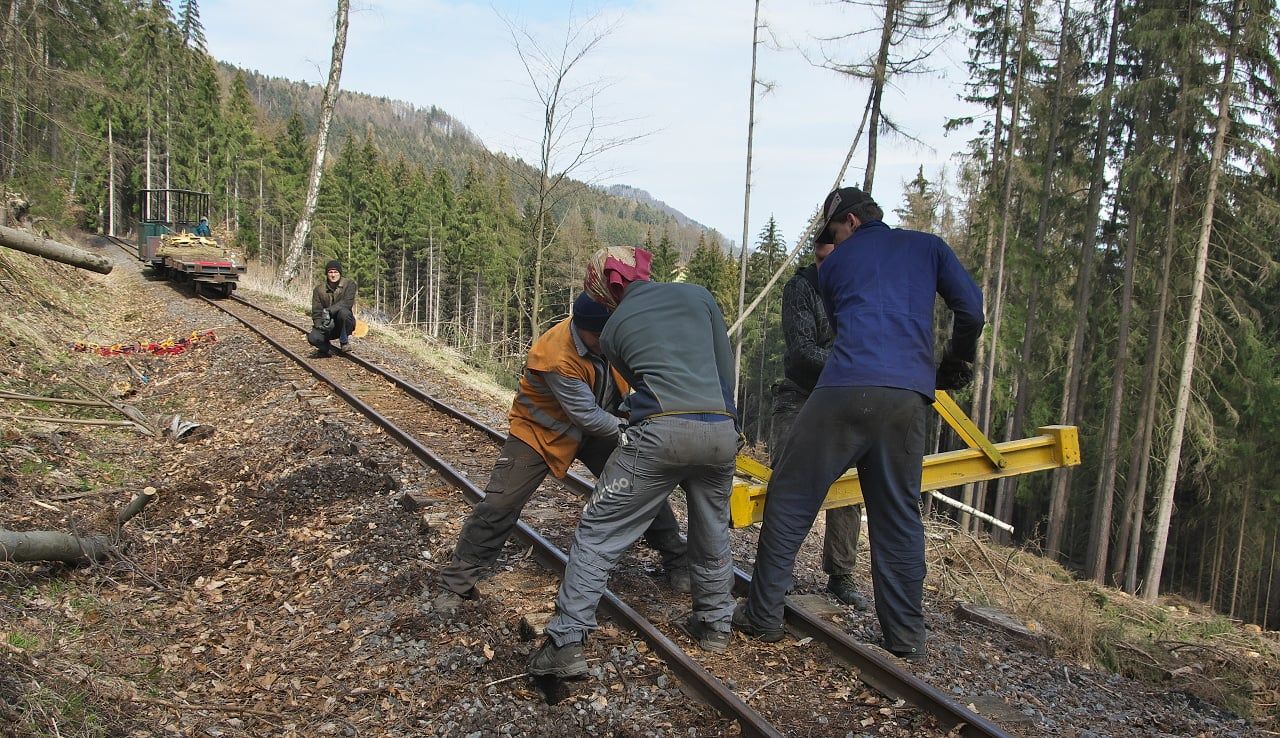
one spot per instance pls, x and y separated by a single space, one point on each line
707 637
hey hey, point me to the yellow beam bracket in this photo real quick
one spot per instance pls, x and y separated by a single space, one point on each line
1055 446
968 431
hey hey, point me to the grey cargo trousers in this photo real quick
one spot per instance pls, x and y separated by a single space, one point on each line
660 453
844 524
515 477
881 431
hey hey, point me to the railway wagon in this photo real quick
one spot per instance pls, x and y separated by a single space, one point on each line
166 219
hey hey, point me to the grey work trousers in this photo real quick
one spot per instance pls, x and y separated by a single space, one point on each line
844 524
515 477
881 431
660 453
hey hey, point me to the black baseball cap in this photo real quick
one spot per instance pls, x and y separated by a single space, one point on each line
838 203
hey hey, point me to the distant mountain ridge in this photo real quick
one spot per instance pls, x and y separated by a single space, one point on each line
643 196
430 137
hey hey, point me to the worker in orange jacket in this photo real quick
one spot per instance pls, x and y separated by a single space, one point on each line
564 410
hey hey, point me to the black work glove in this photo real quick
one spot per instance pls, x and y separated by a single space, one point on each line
325 323
953 374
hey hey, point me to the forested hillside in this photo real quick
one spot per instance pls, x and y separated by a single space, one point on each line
430 138
1118 205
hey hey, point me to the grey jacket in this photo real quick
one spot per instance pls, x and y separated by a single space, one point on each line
670 342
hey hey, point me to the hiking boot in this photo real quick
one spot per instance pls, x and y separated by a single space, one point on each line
745 626
320 354
842 586
707 637
564 661
343 343
679 580
448 601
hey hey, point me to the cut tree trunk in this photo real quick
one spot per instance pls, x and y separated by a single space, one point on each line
60 252
746 206
47 545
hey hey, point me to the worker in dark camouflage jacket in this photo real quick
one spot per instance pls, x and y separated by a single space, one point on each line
808 335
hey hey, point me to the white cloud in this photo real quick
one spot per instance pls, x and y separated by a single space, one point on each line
679 70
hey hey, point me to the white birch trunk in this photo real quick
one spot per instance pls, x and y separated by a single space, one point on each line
327 104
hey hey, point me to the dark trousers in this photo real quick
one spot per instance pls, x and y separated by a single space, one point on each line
515 477
844 524
344 321
881 431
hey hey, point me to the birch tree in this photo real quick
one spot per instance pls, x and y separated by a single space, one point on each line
303 228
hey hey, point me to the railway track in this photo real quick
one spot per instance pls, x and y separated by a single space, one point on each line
395 404
129 248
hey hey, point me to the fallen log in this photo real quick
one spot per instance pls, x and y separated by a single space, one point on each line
48 545
49 249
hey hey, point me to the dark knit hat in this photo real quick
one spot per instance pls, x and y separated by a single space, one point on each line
839 202
333 264
589 315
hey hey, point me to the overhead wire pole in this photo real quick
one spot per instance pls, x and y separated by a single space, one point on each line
746 205
805 235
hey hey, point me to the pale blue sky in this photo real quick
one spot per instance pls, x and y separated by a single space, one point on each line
679 70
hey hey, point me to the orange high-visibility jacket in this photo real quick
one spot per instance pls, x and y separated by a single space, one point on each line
536 417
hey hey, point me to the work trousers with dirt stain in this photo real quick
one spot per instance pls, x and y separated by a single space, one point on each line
660 453
515 477
844 524
881 431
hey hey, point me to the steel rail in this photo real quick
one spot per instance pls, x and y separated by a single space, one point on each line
874 668
708 687
123 244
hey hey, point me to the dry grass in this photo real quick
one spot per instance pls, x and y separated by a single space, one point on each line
1173 643
436 355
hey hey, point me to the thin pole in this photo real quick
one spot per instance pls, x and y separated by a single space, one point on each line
746 205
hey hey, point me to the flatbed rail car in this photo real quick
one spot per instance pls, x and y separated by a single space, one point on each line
165 243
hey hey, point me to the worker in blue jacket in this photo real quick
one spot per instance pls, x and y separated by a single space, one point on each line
868 411
202 228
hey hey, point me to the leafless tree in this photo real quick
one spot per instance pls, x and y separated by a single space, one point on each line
327 103
573 134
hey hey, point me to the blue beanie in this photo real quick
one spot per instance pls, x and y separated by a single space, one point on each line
589 315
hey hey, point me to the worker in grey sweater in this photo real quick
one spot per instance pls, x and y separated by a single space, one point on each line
670 343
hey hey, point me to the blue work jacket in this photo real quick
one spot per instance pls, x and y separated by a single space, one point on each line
878 287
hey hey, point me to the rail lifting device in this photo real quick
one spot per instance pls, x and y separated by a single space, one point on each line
1055 446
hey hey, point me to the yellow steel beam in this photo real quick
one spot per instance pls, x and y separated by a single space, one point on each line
1056 446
